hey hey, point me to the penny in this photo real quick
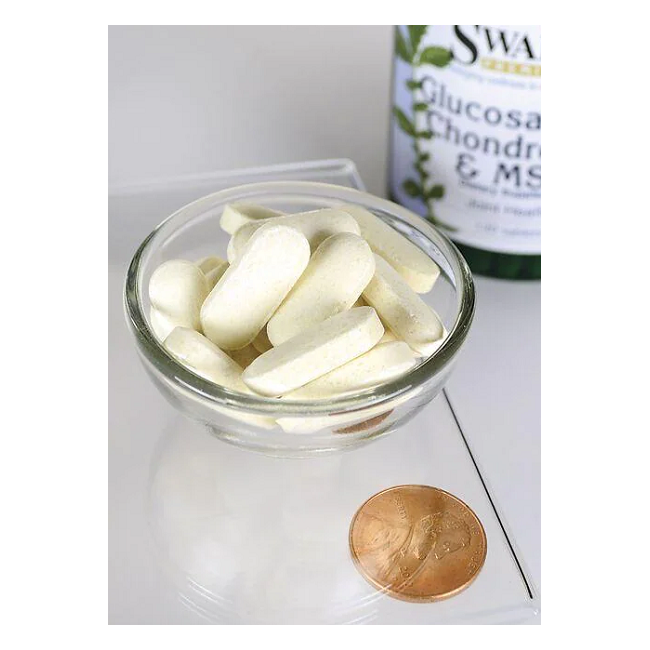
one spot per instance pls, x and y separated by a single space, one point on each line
366 424
417 543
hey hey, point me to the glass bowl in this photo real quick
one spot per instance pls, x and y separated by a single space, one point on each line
273 425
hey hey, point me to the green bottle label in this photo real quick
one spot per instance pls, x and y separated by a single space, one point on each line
466 132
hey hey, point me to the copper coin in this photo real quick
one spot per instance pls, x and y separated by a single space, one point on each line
417 543
366 424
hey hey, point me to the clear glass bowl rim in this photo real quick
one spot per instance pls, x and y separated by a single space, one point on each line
184 380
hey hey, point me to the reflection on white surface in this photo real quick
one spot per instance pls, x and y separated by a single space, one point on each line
251 538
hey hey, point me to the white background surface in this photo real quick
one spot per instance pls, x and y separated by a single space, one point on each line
185 100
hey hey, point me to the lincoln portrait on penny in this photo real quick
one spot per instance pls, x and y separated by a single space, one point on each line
404 548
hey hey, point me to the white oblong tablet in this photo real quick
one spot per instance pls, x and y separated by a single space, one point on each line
379 365
430 348
316 225
361 420
413 264
177 289
245 356
253 286
388 337
204 358
401 309
214 274
261 342
337 273
236 215
160 324
314 352
206 264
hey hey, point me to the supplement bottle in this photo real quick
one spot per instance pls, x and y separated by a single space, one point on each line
465 141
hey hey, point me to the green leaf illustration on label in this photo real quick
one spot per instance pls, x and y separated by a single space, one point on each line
416 32
424 174
439 57
403 121
402 48
412 188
